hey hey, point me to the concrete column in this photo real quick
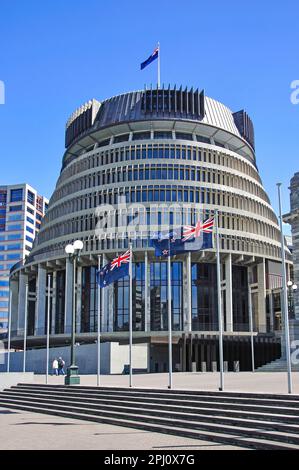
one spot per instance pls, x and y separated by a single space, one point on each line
110 306
189 292
68 296
229 293
271 311
261 276
147 303
54 284
79 299
14 287
23 278
40 305
104 294
185 297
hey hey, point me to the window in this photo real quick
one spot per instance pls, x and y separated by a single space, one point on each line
30 198
13 256
31 221
15 217
29 229
16 195
15 208
29 239
4 283
14 246
31 211
14 236
141 135
3 304
38 216
183 136
163 135
27 247
121 138
14 227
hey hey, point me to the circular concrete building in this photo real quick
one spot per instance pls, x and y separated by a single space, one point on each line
144 155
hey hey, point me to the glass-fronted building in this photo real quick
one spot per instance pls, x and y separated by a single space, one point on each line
140 160
21 213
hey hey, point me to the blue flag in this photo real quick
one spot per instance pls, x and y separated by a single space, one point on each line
150 59
192 238
115 270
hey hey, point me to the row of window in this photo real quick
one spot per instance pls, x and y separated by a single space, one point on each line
162 193
161 172
152 217
146 135
144 152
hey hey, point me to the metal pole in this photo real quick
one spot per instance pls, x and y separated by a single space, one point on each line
9 332
251 327
159 79
285 297
99 329
73 314
219 304
131 318
169 321
48 328
25 328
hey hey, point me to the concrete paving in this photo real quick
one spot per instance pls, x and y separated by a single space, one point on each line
35 431
256 382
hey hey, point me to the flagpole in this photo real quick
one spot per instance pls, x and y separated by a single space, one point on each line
159 78
48 329
99 328
251 327
285 298
169 320
25 328
219 304
130 317
9 331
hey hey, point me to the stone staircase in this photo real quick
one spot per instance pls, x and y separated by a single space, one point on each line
257 421
279 365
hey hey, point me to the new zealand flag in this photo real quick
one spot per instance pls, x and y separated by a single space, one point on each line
115 270
191 238
150 59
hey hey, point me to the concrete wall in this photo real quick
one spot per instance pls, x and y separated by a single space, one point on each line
13 378
113 358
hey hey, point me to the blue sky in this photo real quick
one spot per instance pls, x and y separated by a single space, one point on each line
57 54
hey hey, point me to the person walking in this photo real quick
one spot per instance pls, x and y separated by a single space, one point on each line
61 365
55 367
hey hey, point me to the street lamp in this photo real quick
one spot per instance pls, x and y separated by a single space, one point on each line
73 251
292 287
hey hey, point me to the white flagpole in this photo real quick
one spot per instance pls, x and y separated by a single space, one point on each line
9 332
48 329
130 317
169 320
99 329
251 327
159 71
219 304
25 328
285 298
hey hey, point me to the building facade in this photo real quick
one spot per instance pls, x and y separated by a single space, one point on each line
293 219
134 160
21 213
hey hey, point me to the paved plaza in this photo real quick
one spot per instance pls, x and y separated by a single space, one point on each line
256 382
28 430
34 431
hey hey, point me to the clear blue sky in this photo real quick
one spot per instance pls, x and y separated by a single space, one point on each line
56 54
